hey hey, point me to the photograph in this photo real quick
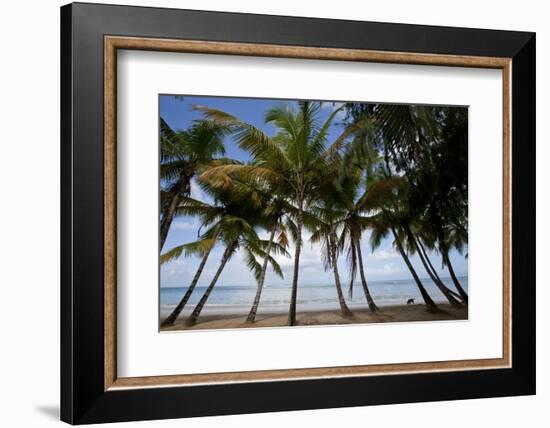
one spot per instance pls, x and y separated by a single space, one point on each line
280 212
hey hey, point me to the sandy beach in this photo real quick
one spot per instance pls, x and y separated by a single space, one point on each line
401 313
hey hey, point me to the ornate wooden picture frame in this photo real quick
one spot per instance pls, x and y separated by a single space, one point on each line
91 389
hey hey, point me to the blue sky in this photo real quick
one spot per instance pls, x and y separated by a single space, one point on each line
382 264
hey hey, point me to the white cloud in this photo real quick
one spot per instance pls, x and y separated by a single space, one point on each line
176 273
310 256
384 263
384 254
384 270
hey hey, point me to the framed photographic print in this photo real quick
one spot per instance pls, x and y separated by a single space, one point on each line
272 213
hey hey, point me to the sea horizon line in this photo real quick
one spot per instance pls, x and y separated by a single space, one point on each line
357 283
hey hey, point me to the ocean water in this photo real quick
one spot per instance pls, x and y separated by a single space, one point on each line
226 299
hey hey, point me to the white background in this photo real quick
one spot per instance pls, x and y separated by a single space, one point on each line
29 220
142 351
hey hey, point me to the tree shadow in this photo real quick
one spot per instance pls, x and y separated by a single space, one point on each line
50 411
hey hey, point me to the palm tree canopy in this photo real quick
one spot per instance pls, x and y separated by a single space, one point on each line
184 151
229 219
296 156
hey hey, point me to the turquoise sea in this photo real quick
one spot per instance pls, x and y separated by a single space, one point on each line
237 299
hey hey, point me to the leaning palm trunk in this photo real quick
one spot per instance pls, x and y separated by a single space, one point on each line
177 310
198 309
292 309
439 284
434 271
170 210
252 315
370 300
346 313
166 220
461 291
431 306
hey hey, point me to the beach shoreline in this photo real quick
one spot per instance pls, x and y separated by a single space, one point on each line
387 314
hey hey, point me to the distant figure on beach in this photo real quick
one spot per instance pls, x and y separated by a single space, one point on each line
410 302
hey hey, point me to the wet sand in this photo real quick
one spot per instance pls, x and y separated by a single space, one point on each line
401 313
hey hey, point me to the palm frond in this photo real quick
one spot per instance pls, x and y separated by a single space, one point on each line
252 264
283 237
187 250
276 267
283 118
221 176
215 115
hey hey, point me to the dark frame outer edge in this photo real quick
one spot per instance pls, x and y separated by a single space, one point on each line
524 216
66 318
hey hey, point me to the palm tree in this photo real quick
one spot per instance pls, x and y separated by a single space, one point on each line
183 154
385 195
242 213
221 216
297 158
237 233
431 151
430 145
389 222
275 216
323 221
428 238
456 282
427 146
416 246
457 238
360 158
353 225
203 247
